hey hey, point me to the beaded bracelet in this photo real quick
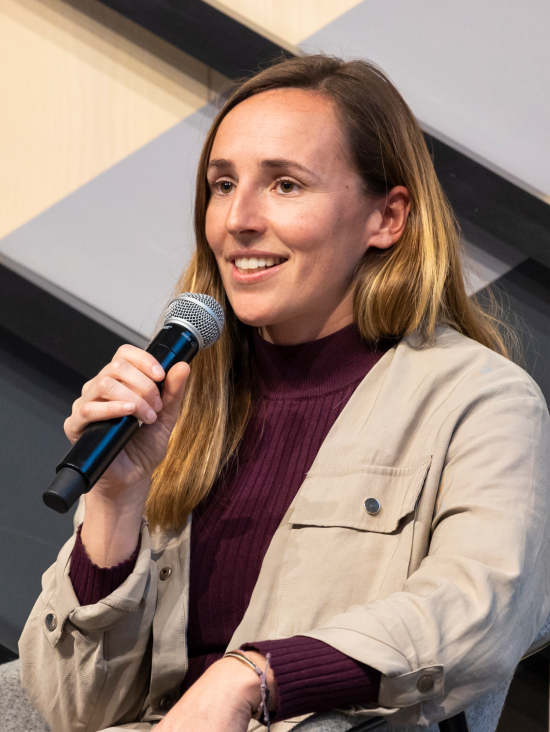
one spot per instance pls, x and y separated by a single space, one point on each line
262 713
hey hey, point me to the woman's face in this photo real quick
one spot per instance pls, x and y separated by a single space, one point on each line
287 218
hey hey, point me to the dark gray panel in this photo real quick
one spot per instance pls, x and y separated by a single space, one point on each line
525 291
6 655
492 203
54 327
203 31
36 394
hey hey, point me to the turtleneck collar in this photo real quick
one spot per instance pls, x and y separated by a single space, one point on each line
315 368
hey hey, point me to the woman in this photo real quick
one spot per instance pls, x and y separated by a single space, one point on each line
391 580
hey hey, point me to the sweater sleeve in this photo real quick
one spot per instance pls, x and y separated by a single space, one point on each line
312 676
92 583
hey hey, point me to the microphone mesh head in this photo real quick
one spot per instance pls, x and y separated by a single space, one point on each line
200 311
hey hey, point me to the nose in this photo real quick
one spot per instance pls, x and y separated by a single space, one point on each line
245 218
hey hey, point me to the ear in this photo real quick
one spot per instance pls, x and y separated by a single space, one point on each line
392 214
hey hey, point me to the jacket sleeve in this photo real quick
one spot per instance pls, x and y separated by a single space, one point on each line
465 617
88 667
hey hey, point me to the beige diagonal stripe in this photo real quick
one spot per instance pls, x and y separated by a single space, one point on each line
290 20
81 88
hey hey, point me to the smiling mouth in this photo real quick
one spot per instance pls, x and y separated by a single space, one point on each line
250 265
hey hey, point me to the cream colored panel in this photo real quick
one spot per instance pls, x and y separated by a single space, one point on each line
80 91
290 20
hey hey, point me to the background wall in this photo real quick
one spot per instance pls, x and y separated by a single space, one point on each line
100 133
476 74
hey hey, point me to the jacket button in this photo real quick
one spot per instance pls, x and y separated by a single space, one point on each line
425 684
51 621
164 573
371 506
165 702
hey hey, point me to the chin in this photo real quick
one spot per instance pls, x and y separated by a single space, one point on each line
254 316
255 321
252 311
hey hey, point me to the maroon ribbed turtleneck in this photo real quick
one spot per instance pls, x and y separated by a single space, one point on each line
303 390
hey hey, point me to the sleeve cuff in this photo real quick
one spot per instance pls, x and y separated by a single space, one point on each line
92 583
312 676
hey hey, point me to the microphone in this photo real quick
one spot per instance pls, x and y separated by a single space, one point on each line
192 323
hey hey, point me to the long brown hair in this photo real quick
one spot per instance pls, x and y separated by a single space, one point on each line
415 285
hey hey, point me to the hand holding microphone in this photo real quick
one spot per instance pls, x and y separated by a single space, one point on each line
126 393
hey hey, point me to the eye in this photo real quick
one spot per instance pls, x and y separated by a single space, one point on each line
223 186
287 186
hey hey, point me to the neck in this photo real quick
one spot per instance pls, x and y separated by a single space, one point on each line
304 330
312 368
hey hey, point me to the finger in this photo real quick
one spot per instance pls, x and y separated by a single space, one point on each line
95 412
110 390
143 361
87 386
130 376
174 389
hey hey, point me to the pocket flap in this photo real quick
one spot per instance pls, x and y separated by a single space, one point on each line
339 500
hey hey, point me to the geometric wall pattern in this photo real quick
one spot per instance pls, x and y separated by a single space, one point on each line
475 74
81 88
101 137
120 241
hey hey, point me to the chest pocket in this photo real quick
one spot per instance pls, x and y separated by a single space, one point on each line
339 555
374 499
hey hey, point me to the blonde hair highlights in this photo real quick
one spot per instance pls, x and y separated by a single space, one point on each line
414 286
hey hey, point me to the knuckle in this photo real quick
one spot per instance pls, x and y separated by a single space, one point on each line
85 410
106 385
125 350
118 364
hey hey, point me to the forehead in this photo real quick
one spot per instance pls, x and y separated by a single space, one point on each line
280 122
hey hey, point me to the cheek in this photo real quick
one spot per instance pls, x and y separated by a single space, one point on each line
211 228
326 240
216 238
305 233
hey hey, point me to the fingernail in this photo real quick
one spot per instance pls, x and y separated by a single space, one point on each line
158 404
158 372
150 416
129 406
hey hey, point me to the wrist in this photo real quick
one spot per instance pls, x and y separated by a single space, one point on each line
244 681
110 536
258 664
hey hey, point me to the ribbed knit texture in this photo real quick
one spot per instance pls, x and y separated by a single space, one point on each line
92 583
312 676
304 390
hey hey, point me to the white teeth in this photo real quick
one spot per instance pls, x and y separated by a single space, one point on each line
256 263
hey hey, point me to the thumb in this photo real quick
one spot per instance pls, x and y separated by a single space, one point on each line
172 393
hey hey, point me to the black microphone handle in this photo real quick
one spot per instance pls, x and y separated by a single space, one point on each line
101 442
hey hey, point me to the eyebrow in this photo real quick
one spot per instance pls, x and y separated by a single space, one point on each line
220 163
273 163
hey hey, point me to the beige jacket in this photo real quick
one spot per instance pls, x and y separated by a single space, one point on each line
442 590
